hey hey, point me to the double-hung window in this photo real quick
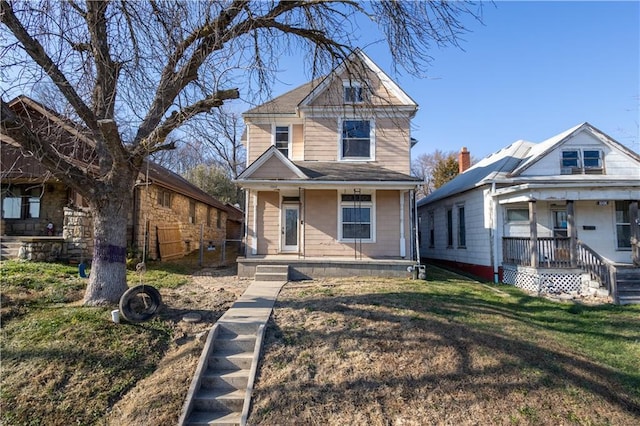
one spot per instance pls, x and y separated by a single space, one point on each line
282 139
582 161
353 92
357 141
356 217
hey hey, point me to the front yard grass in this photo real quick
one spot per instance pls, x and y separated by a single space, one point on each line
445 351
63 363
342 351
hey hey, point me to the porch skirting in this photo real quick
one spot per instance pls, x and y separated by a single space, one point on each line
310 268
544 279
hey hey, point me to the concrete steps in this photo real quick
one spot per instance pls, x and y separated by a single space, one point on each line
272 273
223 384
220 393
628 285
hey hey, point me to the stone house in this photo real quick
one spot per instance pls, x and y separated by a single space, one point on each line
43 219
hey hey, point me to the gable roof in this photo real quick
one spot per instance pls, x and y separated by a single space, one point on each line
543 148
506 165
159 175
301 96
359 55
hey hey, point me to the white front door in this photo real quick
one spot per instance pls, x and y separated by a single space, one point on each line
290 227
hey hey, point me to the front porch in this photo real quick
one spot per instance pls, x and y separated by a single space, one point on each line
566 265
304 268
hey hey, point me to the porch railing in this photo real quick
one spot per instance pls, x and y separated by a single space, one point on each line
554 252
598 268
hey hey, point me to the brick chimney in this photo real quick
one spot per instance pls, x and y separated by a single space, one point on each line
464 160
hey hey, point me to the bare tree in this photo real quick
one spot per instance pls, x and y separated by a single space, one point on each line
424 167
221 131
134 72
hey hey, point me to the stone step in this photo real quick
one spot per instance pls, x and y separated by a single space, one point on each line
217 399
220 418
235 343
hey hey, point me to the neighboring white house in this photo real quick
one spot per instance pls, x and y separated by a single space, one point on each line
541 214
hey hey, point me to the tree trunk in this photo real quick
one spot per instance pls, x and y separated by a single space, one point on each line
108 279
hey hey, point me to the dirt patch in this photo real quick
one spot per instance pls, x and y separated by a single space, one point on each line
158 399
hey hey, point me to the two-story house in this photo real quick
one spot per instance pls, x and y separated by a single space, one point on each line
556 216
328 190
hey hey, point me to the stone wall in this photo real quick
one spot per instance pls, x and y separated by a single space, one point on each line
78 233
152 214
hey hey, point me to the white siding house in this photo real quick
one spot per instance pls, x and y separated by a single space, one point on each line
552 213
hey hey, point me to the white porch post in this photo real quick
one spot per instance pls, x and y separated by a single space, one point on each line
254 233
533 233
573 234
403 242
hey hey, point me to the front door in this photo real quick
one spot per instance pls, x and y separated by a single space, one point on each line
290 227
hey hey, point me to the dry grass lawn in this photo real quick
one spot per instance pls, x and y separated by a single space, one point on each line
445 351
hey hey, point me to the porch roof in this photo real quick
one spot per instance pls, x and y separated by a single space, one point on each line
348 172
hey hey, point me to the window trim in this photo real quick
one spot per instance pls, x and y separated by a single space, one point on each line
372 139
274 132
366 204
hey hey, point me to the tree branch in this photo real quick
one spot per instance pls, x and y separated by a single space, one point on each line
35 50
177 118
13 126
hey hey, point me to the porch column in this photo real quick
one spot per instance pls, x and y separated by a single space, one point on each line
573 234
634 219
533 232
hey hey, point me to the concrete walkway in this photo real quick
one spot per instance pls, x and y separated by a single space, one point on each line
220 392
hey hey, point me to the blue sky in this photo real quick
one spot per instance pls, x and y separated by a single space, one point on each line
530 71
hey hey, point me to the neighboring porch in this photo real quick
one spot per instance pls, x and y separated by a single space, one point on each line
304 268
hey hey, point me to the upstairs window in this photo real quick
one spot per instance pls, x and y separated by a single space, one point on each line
586 161
353 92
357 143
281 139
